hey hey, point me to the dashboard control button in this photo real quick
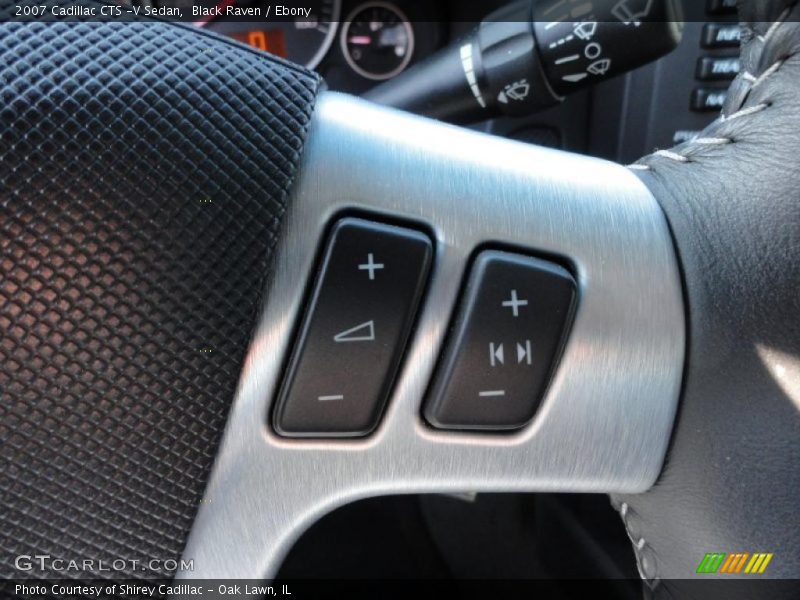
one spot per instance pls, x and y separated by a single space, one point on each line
713 68
721 7
507 334
721 35
704 99
354 331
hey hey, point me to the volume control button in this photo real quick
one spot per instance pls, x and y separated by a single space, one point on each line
354 331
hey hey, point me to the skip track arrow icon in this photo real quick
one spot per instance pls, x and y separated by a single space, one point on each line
496 354
524 352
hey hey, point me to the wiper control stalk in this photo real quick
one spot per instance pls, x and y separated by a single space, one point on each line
528 55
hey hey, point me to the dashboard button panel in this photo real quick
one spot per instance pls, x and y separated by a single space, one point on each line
499 358
705 99
717 68
354 331
721 35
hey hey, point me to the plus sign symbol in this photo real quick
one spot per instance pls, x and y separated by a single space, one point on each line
515 303
370 266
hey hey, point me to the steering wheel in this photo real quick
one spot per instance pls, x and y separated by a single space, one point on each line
165 195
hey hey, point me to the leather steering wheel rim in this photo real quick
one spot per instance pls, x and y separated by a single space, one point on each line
730 197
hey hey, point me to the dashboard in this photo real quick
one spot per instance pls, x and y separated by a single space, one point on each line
379 40
358 44
353 44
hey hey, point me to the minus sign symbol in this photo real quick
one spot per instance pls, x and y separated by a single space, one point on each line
492 393
326 398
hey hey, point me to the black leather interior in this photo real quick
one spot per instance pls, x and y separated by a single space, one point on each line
732 198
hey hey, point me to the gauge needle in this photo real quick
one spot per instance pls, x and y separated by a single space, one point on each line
220 7
361 40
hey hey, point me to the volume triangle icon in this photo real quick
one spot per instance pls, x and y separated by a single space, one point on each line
360 333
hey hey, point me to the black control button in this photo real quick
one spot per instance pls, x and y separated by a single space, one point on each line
721 35
507 334
721 7
713 68
704 100
354 332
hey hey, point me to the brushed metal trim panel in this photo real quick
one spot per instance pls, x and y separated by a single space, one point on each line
607 417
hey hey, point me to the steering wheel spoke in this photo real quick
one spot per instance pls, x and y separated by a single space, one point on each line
607 415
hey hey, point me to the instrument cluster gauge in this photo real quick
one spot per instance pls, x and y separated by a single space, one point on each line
301 31
377 40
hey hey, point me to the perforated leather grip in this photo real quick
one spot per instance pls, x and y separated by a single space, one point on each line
144 171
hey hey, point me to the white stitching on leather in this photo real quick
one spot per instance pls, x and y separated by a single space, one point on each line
711 141
672 155
706 141
716 141
784 15
747 76
640 544
775 66
744 112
